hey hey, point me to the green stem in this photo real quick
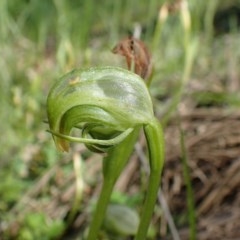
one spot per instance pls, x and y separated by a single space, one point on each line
187 181
100 209
77 162
208 19
155 141
190 53
113 165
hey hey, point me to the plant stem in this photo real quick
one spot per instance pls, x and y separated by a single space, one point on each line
77 163
100 209
113 165
190 195
190 53
155 141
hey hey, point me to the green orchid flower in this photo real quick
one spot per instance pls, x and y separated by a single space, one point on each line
109 106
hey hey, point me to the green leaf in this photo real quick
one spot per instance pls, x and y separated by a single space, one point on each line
121 220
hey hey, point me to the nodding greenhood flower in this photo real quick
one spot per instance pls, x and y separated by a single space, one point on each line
106 103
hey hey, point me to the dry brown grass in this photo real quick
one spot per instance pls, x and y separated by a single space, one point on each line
212 140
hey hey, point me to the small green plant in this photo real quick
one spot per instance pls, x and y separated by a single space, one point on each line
109 105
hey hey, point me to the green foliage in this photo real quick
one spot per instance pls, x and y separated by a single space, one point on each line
10 189
38 226
40 40
124 199
121 220
217 99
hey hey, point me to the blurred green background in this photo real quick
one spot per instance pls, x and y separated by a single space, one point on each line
42 40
